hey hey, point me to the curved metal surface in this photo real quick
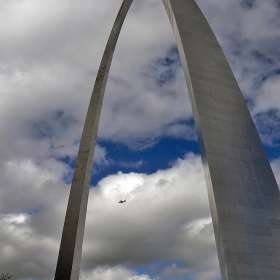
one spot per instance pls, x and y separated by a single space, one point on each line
243 193
242 190
69 258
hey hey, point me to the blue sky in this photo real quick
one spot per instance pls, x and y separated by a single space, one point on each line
146 152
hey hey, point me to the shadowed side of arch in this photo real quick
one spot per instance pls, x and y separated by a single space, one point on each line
243 193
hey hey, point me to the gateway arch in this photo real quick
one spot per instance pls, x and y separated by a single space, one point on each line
242 190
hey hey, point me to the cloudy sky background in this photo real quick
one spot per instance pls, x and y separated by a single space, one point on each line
147 151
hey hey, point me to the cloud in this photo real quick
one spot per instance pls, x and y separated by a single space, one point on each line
166 217
20 243
151 94
113 273
268 97
50 63
101 157
50 60
268 125
27 186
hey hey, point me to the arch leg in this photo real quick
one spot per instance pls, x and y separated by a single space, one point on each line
242 190
69 258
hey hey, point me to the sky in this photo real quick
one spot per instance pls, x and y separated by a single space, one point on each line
147 151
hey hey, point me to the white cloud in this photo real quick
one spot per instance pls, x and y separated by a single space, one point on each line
166 217
113 273
100 156
268 97
17 219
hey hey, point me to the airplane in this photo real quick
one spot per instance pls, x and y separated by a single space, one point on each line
122 201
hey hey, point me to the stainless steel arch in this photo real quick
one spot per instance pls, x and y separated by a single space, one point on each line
243 193
69 257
